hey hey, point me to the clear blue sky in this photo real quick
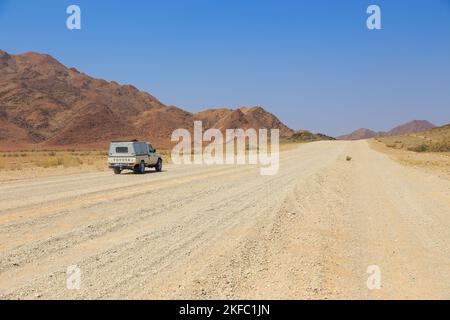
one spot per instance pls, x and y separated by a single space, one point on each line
312 63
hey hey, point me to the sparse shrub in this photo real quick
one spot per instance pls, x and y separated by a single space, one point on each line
348 158
443 146
52 154
48 163
420 148
69 161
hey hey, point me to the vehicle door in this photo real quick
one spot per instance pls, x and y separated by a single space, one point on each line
152 154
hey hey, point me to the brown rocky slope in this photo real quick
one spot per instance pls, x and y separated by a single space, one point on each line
44 104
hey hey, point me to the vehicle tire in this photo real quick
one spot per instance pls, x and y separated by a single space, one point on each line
158 166
117 171
142 168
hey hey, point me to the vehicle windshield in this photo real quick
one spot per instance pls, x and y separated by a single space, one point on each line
122 150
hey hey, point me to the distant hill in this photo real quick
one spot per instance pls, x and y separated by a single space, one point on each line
410 127
307 136
361 134
47 105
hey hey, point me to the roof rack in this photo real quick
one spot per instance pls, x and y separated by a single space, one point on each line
135 140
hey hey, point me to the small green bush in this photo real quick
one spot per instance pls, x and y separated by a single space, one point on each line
420 148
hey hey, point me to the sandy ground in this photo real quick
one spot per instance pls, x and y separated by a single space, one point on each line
435 162
309 232
38 172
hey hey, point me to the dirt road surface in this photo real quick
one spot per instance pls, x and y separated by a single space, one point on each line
309 232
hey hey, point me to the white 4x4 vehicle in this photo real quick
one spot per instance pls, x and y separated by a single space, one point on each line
133 155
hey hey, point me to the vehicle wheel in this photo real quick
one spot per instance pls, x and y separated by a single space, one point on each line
158 166
117 171
142 167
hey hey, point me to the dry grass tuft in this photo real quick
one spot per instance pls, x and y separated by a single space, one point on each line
52 159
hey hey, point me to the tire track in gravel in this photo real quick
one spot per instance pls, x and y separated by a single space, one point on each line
309 232
115 231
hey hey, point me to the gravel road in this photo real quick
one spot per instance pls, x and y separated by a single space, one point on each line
201 232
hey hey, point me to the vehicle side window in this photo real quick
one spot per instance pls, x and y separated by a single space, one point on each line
122 150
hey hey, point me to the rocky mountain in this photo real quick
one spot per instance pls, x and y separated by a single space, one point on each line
410 127
361 134
44 104
307 136
243 118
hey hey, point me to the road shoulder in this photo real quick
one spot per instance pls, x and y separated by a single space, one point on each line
431 162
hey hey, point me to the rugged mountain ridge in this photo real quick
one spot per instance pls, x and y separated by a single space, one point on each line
45 104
